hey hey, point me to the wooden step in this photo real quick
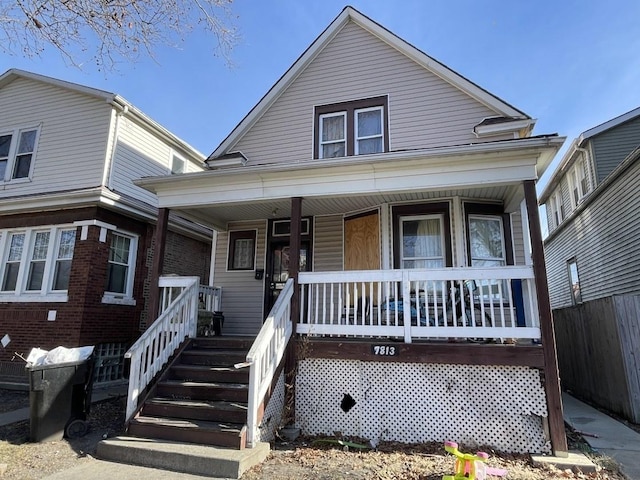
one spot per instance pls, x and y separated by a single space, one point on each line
212 411
207 373
219 358
232 392
242 343
230 435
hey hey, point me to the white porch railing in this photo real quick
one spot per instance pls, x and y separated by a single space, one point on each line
476 303
266 354
177 321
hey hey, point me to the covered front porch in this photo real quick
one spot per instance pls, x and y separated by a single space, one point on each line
435 292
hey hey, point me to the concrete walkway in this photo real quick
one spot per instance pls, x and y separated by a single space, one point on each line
605 435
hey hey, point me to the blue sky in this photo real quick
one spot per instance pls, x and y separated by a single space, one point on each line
570 64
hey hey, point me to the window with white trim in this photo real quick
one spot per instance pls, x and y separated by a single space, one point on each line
574 281
351 128
178 165
17 151
121 265
578 182
557 208
31 261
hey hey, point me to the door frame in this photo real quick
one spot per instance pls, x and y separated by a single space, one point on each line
282 239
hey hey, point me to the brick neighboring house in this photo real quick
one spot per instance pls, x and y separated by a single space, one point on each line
76 235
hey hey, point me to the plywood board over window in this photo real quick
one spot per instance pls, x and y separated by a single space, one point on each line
362 242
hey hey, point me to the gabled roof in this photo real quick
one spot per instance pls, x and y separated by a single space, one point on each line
115 100
578 144
350 14
614 122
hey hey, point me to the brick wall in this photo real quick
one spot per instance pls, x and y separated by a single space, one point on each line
84 319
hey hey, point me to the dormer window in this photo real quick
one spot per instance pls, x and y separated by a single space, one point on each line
351 128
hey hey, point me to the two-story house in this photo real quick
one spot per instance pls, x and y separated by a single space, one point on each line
76 235
593 263
376 212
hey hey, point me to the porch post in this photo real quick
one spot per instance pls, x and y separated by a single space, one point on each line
159 238
294 257
551 375
291 360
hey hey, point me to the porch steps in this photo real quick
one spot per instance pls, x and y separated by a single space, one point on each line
201 398
201 460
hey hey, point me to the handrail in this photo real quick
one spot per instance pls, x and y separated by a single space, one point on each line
153 349
265 356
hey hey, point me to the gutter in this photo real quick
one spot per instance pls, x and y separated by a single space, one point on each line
515 146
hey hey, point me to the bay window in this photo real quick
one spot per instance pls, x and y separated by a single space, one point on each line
36 263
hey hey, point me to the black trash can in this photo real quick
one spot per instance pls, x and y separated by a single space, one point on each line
218 322
60 399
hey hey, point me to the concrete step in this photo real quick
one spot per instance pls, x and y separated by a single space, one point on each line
212 411
213 357
230 435
232 392
207 373
184 458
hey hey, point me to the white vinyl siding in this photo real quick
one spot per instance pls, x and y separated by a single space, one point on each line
72 138
140 153
242 294
424 110
328 250
605 245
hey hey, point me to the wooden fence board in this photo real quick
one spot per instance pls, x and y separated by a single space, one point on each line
597 344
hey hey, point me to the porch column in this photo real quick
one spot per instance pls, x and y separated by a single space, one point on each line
159 238
294 257
551 375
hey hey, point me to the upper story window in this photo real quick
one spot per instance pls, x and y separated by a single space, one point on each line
557 208
17 150
351 128
36 261
178 164
578 182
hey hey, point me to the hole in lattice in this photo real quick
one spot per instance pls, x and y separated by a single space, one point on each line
347 403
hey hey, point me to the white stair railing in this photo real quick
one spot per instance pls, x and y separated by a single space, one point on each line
266 354
178 320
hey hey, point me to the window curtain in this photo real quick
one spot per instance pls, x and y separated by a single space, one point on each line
422 244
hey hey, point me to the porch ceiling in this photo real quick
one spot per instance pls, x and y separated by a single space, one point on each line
218 216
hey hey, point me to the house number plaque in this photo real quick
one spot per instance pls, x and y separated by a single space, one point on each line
384 350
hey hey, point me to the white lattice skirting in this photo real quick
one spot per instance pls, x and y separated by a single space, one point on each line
273 413
497 406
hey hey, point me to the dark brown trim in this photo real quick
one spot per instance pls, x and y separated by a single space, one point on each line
294 257
421 209
494 209
551 375
443 353
241 235
375 211
350 108
159 238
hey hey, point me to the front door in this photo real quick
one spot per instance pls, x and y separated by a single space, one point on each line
278 269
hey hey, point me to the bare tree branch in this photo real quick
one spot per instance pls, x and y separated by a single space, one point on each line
108 32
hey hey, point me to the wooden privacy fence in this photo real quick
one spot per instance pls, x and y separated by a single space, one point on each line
598 344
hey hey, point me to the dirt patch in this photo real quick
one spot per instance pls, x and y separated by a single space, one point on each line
310 459
305 459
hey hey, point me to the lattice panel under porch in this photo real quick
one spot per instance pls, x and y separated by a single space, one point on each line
273 413
502 407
